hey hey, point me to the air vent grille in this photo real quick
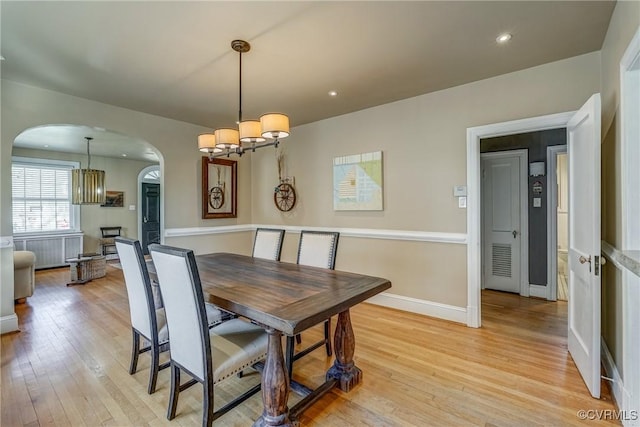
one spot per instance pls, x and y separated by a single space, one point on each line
501 259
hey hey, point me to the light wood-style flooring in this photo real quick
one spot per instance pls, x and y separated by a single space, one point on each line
69 366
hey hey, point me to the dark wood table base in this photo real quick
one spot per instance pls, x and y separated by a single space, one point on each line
275 379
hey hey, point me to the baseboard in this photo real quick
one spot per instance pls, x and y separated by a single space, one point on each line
8 323
611 371
427 308
538 291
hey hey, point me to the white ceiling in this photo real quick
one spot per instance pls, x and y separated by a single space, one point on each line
173 59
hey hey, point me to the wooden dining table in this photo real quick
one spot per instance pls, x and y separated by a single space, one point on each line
286 299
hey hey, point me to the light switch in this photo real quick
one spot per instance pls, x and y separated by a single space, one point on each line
132 207
459 190
462 202
537 202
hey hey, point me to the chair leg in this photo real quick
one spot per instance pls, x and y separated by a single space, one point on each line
155 367
327 336
135 351
299 339
175 390
207 410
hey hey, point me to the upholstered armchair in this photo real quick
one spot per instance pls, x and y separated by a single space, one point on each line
24 275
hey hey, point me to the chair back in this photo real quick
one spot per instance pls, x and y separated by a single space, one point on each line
268 243
136 279
184 307
318 248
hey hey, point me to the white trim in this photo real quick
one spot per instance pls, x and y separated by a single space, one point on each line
474 135
620 259
611 371
201 231
414 305
552 220
62 164
6 242
369 233
629 148
523 158
538 291
8 323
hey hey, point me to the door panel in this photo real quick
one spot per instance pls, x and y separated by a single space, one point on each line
150 212
501 223
583 146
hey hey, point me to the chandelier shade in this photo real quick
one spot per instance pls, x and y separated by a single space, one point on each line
227 138
88 185
251 134
251 131
274 125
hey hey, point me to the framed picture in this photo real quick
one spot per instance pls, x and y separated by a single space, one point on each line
114 199
219 188
357 182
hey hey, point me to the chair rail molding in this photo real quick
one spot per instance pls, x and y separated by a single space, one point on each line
368 233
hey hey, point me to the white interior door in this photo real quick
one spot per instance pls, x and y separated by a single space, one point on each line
583 146
501 222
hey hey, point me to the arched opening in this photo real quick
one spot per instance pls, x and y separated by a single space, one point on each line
50 152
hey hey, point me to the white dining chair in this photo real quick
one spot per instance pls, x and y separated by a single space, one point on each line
315 249
267 243
209 356
147 319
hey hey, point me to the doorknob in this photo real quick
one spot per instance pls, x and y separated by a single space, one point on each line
144 219
515 233
584 260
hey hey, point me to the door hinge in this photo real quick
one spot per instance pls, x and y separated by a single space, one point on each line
596 265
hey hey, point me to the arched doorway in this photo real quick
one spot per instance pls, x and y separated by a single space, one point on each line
150 221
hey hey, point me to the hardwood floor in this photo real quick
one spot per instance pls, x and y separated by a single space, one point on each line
69 366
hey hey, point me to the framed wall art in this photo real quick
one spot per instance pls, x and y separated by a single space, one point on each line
219 188
357 182
114 199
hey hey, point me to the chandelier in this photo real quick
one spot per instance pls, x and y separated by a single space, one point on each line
251 134
88 185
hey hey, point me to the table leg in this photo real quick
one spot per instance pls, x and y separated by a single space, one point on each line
343 369
275 386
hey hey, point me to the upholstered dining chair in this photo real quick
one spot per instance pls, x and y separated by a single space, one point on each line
316 249
209 356
147 320
267 243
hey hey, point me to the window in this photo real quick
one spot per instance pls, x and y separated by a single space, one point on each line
41 196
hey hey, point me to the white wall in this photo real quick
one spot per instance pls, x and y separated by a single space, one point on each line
423 141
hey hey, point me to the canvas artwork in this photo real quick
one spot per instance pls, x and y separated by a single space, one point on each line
357 182
114 199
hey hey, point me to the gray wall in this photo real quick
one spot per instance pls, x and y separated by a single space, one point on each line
536 144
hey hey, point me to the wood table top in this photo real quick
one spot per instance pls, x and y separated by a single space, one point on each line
284 296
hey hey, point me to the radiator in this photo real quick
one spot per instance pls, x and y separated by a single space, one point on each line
51 250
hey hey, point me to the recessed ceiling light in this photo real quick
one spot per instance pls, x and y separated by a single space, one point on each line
333 93
1 58
503 38
124 155
46 145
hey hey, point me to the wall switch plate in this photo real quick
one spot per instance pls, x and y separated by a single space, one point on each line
132 207
459 190
462 202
